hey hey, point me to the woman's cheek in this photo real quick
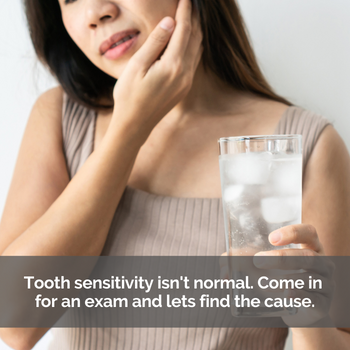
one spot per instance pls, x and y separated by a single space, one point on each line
152 11
76 31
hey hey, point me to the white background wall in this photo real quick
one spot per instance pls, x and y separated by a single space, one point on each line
303 47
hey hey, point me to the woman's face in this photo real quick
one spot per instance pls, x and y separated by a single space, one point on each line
96 25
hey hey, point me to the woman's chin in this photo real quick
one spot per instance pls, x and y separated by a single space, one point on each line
117 72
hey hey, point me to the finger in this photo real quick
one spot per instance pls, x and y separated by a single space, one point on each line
303 234
246 251
294 259
154 45
180 38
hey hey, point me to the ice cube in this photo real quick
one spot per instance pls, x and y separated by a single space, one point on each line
251 168
233 192
286 176
281 209
241 198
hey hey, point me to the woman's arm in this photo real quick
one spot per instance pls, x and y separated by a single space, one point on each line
326 193
326 206
47 215
40 174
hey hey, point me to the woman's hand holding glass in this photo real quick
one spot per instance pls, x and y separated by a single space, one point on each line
161 72
319 269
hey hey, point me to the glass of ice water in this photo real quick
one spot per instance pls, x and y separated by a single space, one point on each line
261 182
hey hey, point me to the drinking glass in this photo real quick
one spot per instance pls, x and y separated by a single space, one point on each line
261 182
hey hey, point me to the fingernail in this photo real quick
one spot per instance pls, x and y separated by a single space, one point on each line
259 262
275 237
261 254
167 24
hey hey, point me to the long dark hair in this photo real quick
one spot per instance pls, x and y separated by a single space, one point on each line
227 52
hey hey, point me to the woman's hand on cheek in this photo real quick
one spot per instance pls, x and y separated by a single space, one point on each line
150 87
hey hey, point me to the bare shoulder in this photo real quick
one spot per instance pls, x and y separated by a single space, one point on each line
52 95
330 155
46 118
326 192
44 127
50 102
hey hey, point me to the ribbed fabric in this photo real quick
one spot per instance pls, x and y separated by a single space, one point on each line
78 125
297 120
148 224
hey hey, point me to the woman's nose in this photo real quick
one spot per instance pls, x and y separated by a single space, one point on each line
100 11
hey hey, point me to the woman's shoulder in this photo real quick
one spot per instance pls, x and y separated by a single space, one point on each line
56 91
51 98
292 119
298 120
47 112
61 103
68 125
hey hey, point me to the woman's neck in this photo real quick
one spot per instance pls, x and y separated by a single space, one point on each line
209 95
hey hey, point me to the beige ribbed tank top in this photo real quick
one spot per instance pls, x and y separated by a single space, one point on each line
148 224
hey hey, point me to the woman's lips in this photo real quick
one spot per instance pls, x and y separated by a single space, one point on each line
117 51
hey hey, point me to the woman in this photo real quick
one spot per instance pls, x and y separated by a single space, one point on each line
101 163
